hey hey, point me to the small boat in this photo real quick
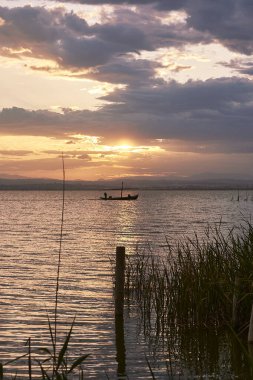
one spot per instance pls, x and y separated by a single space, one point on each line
129 197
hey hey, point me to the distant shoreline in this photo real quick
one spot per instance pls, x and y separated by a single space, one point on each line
130 184
172 188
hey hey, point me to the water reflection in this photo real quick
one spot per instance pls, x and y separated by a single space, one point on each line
200 353
29 237
120 346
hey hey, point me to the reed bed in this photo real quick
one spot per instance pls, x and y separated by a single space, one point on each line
204 282
195 303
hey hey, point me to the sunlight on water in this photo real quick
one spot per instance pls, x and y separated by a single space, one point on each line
29 243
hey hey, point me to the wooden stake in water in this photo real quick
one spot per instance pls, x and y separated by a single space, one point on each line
1 372
250 333
119 280
121 193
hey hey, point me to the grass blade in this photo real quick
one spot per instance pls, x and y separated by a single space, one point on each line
77 362
65 346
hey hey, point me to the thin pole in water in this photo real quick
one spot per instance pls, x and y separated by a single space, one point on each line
119 310
121 189
119 280
250 333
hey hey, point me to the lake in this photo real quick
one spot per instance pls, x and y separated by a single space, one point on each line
29 243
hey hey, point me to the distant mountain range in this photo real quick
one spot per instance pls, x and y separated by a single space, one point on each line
201 181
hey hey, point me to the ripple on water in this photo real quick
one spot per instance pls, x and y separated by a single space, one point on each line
29 237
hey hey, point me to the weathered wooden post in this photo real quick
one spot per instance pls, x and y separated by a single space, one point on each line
119 310
1 372
250 333
119 280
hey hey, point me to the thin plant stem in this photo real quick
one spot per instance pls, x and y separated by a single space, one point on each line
59 263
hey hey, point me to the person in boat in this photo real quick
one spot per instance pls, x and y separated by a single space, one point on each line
105 195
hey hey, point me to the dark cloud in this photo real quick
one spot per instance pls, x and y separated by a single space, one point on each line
207 147
125 71
228 21
241 66
68 40
179 68
160 4
217 110
70 142
245 68
247 71
207 98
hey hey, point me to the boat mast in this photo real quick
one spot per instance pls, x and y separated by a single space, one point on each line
121 189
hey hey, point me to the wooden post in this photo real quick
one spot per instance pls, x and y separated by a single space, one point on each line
119 280
250 333
1 372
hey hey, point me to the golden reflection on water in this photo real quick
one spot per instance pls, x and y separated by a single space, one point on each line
29 242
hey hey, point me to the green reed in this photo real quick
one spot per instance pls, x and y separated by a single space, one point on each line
195 301
52 362
198 282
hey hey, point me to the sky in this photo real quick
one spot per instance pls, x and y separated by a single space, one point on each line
138 88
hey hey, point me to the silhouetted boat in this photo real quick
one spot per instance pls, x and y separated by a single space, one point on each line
129 197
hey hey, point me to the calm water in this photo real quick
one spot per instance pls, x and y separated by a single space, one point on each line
29 241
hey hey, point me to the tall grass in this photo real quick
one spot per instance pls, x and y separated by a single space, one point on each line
52 362
198 282
193 297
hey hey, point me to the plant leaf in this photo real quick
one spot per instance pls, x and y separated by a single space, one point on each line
77 362
45 350
150 369
43 372
51 331
17 358
65 345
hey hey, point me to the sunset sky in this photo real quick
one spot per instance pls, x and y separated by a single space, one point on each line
138 88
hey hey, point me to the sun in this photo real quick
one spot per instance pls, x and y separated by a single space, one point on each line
120 146
124 147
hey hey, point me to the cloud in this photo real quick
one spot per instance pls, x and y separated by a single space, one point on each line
207 147
43 164
241 66
217 110
206 119
228 21
68 40
134 73
19 153
160 4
